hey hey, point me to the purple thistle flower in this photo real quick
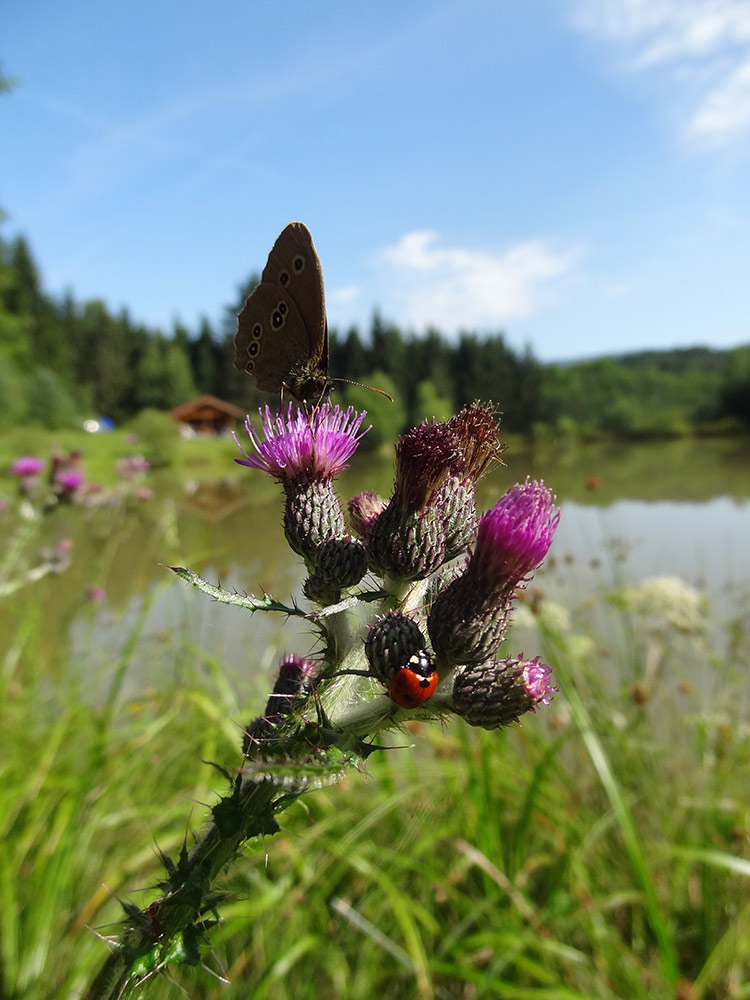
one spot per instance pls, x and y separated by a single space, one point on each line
69 480
495 694
316 445
475 431
468 620
407 540
304 452
515 536
425 456
431 516
26 466
295 679
133 466
363 509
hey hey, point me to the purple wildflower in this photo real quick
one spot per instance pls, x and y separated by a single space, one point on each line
26 466
295 679
424 457
515 536
304 452
133 466
363 509
496 693
537 683
316 445
468 620
475 431
69 480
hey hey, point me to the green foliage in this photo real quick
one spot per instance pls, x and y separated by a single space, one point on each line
12 404
112 366
736 390
387 417
599 856
48 402
158 436
428 405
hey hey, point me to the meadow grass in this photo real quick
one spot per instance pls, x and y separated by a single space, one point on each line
597 851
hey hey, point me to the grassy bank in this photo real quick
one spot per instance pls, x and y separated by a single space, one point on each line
598 851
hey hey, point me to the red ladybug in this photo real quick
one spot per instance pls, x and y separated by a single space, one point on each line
413 684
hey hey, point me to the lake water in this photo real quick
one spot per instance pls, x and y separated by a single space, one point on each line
628 513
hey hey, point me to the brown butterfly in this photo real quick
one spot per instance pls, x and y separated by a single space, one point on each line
282 331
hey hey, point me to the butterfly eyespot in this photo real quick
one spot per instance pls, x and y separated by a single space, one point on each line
282 326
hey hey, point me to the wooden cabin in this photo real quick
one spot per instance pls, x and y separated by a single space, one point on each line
208 415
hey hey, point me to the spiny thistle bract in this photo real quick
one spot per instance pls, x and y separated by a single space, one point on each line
400 636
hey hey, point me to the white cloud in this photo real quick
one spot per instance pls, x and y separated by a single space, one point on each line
703 44
725 111
347 293
457 288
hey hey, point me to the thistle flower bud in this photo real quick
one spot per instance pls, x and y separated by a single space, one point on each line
390 644
431 516
425 457
497 693
341 562
457 504
408 547
294 680
475 432
257 731
364 508
312 515
475 435
467 623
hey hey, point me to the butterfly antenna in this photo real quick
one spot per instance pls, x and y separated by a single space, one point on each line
363 386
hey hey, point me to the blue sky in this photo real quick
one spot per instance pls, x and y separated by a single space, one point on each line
572 172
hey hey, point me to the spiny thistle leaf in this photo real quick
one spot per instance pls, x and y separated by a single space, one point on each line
248 601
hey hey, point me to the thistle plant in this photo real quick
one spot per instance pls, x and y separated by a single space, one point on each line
408 598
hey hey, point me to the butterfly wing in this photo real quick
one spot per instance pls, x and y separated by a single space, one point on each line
282 328
271 337
294 264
